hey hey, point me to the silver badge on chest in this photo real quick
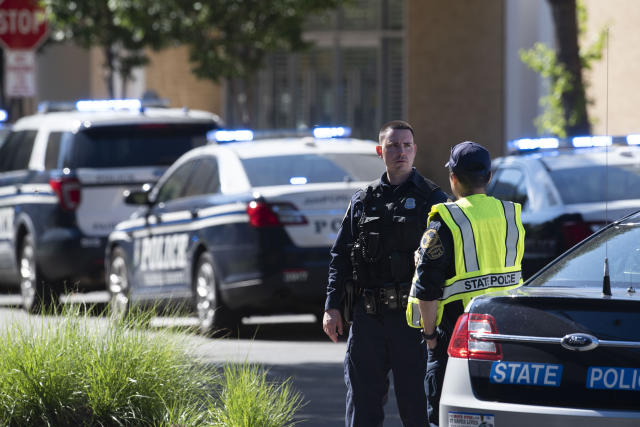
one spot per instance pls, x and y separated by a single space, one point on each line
410 203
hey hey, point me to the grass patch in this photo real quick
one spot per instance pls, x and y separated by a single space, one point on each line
75 370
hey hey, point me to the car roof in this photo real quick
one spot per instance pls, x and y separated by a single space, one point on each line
72 120
579 157
300 145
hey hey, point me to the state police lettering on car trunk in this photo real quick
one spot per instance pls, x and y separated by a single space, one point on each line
610 378
491 280
162 252
524 373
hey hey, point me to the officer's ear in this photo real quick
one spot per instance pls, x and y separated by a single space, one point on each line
379 150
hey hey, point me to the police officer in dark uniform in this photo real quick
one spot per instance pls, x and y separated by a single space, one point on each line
370 273
475 237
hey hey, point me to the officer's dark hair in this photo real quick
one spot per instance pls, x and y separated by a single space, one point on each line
472 180
394 124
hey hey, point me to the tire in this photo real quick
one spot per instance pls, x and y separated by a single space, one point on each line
214 318
36 295
118 285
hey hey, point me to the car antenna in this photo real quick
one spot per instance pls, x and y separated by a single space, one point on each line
606 280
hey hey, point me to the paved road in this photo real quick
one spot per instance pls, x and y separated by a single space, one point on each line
289 346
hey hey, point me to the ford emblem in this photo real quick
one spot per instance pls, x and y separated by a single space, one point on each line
579 342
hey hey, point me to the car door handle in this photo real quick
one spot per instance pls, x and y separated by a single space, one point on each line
194 213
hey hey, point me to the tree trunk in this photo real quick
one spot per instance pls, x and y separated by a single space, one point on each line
109 70
568 53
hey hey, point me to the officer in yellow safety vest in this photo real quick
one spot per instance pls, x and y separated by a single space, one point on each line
471 247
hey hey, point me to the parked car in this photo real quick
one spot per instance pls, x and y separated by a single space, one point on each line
62 174
240 228
563 350
568 190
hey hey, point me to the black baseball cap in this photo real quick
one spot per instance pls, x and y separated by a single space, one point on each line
469 157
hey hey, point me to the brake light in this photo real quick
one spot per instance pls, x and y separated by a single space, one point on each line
262 214
574 232
68 191
463 346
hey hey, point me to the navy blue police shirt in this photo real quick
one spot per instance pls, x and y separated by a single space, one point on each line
340 267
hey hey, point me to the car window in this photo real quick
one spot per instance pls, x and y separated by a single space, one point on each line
312 168
587 184
584 266
15 152
53 150
175 185
509 185
134 145
205 178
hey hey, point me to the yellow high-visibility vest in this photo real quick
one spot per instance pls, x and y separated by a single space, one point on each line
488 245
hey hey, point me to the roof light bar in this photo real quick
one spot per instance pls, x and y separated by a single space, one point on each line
591 141
108 105
331 132
231 135
298 180
536 143
633 139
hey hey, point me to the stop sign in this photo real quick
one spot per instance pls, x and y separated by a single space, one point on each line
22 24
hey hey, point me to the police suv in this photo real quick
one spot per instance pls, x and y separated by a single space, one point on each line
240 228
568 188
62 175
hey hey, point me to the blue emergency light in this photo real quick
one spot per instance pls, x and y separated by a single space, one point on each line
3 116
230 135
331 132
96 105
591 141
535 143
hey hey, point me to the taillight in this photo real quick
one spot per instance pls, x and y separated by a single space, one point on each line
262 214
68 191
463 346
574 232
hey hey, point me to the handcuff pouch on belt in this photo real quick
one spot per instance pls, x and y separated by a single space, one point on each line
379 300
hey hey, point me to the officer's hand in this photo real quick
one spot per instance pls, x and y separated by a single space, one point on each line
331 322
416 257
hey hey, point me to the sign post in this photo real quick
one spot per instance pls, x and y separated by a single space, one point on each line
22 28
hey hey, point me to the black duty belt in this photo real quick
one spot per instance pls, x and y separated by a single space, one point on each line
392 297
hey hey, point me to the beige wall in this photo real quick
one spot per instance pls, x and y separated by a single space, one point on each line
455 78
623 62
169 74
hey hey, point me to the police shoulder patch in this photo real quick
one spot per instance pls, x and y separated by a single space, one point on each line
431 244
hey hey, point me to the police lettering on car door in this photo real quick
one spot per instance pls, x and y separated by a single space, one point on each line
6 223
161 253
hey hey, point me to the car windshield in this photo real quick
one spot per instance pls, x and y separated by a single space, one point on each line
586 184
134 145
584 266
312 168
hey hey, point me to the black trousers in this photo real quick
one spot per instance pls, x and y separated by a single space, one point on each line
436 366
379 344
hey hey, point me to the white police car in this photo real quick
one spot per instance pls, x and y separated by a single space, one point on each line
240 228
62 175
563 186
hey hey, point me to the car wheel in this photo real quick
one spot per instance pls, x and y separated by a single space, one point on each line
118 285
36 296
214 318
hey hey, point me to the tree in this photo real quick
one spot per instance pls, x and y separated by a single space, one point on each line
122 28
565 107
227 39
230 39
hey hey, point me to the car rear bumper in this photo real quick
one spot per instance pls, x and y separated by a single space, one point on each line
458 401
66 255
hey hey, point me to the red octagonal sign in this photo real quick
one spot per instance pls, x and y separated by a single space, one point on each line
22 24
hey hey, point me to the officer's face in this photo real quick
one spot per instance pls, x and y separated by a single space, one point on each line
398 151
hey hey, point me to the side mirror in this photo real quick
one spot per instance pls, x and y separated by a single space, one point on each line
137 197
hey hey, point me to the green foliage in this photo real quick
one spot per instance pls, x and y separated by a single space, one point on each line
226 38
82 371
248 399
543 60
